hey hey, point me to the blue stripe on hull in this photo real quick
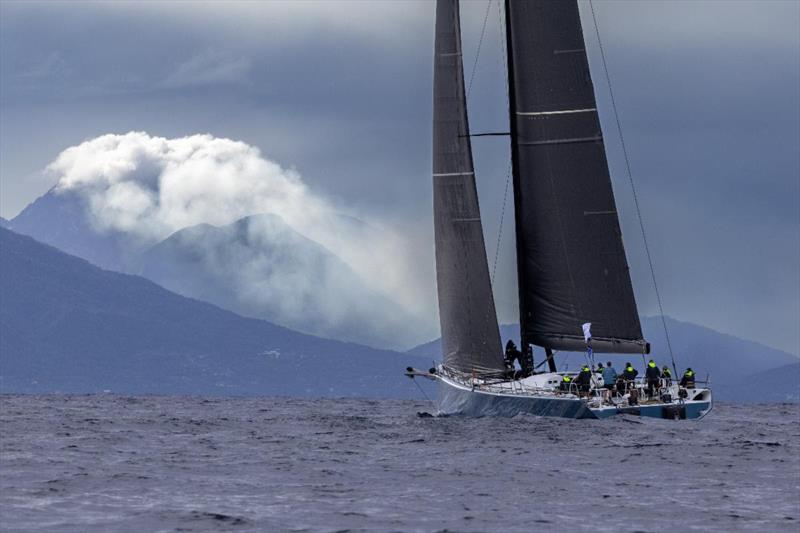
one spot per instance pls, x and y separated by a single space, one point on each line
454 400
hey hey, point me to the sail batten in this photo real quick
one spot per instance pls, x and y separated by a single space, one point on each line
571 262
470 334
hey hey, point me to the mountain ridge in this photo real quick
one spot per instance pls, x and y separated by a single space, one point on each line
69 326
257 266
300 283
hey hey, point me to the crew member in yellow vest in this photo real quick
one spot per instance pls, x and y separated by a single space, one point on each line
628 377
666 375
584 380
688 379
653 375
566 381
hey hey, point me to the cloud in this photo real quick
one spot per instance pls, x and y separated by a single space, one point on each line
210 67
147 188
52 67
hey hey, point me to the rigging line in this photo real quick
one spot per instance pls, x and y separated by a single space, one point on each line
478 52
500 227
501 23
422 391
633 189
564 366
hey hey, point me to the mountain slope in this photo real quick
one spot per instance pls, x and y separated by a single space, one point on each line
780 384
730 361
257 266
260 267
60 220
68 326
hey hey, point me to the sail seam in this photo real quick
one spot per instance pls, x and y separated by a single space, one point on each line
559 112
563 141
453 174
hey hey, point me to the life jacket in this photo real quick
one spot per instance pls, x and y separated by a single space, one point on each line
666 373
566 379
651 364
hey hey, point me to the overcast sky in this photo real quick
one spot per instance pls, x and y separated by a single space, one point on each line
708 95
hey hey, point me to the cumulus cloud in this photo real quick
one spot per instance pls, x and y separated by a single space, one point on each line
147 188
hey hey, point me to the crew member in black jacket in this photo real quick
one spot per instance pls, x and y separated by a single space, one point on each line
628 377
653 376
584 380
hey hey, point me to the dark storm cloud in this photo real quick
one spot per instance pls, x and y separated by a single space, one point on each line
707 95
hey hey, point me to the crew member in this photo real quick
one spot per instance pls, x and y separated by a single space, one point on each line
584 380
599 369
609 378
628 377
653 376
566 381
687 380
666 375
512 354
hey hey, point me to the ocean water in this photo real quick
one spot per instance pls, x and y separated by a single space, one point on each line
112 463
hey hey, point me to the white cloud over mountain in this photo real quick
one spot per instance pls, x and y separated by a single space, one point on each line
148 187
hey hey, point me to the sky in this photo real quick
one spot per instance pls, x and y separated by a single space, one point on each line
340 93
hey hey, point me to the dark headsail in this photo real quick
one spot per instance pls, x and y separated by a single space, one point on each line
470 336
570 259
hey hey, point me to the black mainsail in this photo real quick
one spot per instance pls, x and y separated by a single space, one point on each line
571 263
470 335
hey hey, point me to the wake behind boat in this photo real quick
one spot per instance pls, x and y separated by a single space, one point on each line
575 291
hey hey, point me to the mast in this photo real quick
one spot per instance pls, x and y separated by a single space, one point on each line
470 334
571 263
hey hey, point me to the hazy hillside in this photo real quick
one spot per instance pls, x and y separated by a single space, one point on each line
68 326
60 220
780 384
260 267
730 361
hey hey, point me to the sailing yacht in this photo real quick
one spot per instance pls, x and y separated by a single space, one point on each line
571 264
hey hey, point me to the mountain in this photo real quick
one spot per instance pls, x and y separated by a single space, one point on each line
257 267
780 384
60 219
69 326
260 267
737 367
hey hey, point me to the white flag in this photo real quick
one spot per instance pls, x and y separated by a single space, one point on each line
587 331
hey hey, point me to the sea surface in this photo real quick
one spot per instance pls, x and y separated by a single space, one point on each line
114 463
